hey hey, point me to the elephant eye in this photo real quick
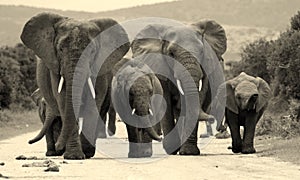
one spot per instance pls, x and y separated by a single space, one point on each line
171 54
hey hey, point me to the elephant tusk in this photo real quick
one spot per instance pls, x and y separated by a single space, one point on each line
133 111
200 84
91 87
150 111
60 85
80 124
179 86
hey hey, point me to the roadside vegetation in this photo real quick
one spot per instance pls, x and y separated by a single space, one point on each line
278 62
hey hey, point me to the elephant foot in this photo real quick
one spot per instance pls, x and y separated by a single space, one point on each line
140 150
222 135
189 149
248 150
171 146
236 148
111 129
54 153
102 135
51 153
206 135
74 155
87 148
111 132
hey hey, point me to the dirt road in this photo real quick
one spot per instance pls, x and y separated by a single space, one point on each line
215 162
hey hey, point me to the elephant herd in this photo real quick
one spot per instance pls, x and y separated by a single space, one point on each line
173 80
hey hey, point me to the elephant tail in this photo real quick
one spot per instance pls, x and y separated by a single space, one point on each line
48 122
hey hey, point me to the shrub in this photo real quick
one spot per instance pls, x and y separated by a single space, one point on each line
295 22
17 70
254 60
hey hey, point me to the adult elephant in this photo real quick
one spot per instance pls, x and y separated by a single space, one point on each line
71 53
246 99
134 89
196 72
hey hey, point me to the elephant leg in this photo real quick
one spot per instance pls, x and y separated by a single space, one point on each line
189 147
140 144
233 123
103 103
50 142
111 121
73 146
171 141
56 130
249 131
102 126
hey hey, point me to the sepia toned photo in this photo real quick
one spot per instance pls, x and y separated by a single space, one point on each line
150 89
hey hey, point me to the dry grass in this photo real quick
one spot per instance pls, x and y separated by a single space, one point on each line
14 123
282 149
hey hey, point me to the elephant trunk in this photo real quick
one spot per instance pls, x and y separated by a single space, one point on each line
48 122
75 81
197 74
153 134
146 111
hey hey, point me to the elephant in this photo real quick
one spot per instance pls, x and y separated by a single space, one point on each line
197 50
246 99
53 132
132 80
74 73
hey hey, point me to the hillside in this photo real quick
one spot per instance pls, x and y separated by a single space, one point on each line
244 20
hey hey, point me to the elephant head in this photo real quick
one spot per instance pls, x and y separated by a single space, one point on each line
39 100
60 42
245 92
198 48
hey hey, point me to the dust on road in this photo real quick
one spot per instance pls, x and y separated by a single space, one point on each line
215 162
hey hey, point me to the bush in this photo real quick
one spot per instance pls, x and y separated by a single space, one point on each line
295 22
17 70
254 60
285 63
277 62
284 123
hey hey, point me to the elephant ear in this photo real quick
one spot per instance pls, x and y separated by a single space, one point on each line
148 44
114 44
264 94
226 95
39 34
214 34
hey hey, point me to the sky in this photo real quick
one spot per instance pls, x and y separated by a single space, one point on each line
81 5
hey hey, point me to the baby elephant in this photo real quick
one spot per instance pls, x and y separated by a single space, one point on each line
54 130
246 99
133 92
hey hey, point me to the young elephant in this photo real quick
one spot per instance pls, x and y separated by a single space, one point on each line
246 99
133 90
54 130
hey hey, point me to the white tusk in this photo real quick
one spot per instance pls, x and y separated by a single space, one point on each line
179 86
91 87
80 124
200 84
60 85
150 111
133 111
